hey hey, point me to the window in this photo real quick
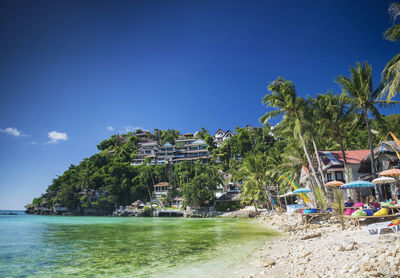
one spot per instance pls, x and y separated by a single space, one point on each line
329 176
339 176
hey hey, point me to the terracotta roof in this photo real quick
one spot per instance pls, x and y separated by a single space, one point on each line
353 157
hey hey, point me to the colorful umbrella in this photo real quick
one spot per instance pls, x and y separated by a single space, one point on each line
289 193
357 184
302 190
334 183
391 172
384 180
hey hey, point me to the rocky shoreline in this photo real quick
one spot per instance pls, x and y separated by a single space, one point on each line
324 250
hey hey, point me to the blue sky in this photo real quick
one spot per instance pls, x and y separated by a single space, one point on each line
74 68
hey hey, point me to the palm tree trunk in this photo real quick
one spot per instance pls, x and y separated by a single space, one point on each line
148 189
352 192
310 162
344 158
371 149
371 152
320 166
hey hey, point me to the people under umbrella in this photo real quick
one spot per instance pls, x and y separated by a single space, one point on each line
370 207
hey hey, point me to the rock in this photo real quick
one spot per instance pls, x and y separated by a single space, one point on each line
354 270
364 259
311 236
387 239
365 268
267 262
340 248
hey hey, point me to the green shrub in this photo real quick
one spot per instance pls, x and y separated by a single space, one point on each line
148 211
227 206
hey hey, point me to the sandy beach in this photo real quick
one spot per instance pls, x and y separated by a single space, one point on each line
324 250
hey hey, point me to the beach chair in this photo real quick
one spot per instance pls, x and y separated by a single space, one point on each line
378 227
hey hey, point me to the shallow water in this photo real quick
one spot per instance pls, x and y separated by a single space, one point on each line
59 246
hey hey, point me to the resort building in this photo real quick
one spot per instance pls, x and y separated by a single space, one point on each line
147 150
177 202
221 136
332 164
161 188
185 149
386 156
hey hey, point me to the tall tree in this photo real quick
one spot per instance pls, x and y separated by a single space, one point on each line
283 96
359 90
255 186
391 72
336 117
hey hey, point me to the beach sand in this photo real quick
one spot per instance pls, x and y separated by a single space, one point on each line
328 251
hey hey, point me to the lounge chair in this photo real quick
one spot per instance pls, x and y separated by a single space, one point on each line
378 227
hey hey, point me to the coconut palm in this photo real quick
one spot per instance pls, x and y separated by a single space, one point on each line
294 110
255 167
391 72
359 91
336 117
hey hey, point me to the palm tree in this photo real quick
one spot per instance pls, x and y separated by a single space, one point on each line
336 117
255 167
391 72
359 90
294 110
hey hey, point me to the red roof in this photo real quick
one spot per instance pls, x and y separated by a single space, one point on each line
353 157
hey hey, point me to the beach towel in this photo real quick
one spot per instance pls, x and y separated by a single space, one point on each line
376 205
359 213
349 211
394 222
348 204
369 212
381 212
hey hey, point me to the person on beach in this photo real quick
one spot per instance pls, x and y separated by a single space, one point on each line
349 203
372 203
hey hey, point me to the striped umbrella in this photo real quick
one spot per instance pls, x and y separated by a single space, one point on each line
334 183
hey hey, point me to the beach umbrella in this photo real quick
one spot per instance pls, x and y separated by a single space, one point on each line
384 180
334 183
289 193
357 184
302 190
391 172
286 194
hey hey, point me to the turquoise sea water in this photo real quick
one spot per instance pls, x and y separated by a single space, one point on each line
62 246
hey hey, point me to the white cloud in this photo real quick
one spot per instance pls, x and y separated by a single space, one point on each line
12 131
34 143
130 128
110 128
56 136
